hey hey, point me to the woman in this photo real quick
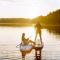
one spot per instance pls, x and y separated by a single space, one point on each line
38 31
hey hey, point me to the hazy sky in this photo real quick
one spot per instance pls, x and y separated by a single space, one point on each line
27 8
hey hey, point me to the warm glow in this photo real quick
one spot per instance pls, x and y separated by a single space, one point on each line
27 8
31 33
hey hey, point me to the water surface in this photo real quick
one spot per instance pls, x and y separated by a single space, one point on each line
11 36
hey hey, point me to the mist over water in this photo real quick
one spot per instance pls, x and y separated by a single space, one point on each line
10 37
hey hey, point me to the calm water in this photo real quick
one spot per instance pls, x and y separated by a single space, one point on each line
11 36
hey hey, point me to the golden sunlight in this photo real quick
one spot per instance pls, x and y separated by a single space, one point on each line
30 33
27 8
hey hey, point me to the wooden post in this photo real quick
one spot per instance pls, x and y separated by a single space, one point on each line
38 53
23 55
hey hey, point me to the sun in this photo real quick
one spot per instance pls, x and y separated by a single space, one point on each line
31 13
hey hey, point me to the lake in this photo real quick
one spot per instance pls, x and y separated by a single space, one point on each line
10 37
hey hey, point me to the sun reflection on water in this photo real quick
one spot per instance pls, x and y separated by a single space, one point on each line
45 35
30 32
11 36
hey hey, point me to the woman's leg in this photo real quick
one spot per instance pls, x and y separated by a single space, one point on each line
40 37
35 37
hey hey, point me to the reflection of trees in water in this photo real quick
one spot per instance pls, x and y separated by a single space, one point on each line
55 30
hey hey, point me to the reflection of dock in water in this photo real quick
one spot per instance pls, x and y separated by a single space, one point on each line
38 51
27 49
